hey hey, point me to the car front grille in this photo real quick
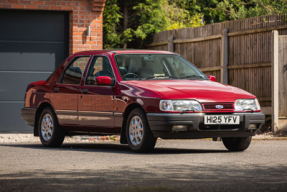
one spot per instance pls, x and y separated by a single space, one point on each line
212 106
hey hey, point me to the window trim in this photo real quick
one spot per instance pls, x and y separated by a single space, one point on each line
89 69
61 76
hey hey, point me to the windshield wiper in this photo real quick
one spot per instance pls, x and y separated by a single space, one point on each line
192 76
153 77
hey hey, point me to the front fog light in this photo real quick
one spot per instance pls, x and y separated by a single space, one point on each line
252 126
179 128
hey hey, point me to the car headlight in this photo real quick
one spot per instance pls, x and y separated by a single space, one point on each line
179 105
247 104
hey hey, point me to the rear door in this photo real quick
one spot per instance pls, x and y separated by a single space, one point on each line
65 93
96 103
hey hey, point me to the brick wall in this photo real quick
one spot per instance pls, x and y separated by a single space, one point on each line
83 13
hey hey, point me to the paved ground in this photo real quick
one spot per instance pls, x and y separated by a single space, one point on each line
175 165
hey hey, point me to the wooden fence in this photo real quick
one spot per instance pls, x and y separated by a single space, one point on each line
237 52
279 81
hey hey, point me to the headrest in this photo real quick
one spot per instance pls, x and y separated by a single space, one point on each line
75 69
123 70
74 72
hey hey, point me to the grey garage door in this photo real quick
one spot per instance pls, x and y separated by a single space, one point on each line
32 45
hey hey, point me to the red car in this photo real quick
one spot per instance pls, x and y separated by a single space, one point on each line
141 95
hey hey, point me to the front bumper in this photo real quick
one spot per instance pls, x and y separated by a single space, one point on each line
28 114
161 125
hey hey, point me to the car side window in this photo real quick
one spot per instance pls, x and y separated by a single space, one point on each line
100 66
74 72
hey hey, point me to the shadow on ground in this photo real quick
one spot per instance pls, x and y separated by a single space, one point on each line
152 176
181 177
114 148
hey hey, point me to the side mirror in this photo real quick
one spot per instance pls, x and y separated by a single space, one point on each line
212 78
103 80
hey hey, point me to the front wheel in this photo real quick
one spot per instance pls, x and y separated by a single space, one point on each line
50 132
236 143
139 135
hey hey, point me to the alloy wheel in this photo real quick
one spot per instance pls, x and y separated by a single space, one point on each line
136 130
47 127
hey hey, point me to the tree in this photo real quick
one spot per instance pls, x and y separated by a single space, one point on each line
127 23
179 17
240 9
205 8
131 24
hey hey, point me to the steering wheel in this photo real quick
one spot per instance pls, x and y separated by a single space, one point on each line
134 75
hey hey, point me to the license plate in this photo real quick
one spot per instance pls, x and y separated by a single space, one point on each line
221 119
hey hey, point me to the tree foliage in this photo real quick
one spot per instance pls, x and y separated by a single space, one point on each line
240 9
131 22
179 17
207 8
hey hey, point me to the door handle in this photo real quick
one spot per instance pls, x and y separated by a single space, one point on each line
56 89
85 91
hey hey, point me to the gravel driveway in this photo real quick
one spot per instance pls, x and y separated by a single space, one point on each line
175 165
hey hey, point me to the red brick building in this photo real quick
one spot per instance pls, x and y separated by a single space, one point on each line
82 14
36 36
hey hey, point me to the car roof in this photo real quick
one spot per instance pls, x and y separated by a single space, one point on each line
125 51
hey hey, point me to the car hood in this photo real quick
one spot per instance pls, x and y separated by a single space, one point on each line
201 90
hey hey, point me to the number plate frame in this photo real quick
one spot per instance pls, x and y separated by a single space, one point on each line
221 120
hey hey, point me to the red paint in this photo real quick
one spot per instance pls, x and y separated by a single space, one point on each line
200 90
104 98
43 82
212 78
103 80
99 99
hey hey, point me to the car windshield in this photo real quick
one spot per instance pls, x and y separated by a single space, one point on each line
156 66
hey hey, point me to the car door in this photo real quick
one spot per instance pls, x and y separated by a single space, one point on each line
96 103
64 94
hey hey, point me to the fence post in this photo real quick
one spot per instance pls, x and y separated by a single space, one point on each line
275 81
170 44
224 57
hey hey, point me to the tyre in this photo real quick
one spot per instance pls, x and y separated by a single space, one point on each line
236 143
50 132
139 135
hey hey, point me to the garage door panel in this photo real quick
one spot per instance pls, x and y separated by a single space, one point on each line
43 25
18 56
32 45
13 84
11 112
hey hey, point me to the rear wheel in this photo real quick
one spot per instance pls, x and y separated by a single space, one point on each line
139 135
50 132
236 143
